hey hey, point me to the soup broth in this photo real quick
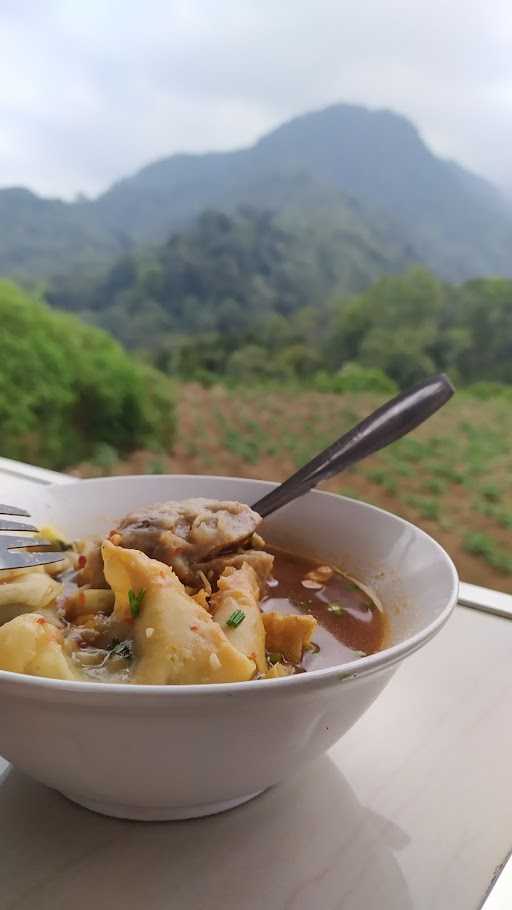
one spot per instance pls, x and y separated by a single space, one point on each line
350 624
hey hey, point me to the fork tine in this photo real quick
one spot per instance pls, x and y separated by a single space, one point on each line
10 542
13 548
14 510
15 526
21 560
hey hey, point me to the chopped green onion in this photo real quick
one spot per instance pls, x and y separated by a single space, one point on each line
121 648
236 618
135 599
335 608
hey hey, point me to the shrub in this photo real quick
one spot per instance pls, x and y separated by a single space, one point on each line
105 457
252 363
487 390
67 388
355 378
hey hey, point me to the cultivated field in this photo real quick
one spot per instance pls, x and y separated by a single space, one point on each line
452 476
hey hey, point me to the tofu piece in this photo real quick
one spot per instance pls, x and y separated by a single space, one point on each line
238 589
30 644
287 634
185 646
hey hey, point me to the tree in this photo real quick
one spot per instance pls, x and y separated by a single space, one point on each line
392 326
484 308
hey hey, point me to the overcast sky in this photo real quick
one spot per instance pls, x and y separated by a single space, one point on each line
91 90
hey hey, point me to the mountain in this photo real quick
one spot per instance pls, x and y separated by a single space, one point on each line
373 162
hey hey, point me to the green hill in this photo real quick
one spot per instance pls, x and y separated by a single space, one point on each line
259 295
233 275
69 390
39 237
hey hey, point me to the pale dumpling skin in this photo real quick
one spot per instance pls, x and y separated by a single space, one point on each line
239 590
25 593
176 640
32 645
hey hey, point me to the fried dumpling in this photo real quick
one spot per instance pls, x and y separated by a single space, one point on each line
176 640
30 644
26 592
238 594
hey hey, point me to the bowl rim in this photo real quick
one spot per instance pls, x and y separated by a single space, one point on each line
320 678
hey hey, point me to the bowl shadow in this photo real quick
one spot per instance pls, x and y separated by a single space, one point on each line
305 843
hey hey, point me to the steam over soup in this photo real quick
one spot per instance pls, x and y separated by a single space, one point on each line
183 593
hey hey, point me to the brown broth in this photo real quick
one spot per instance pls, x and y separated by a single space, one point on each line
357 629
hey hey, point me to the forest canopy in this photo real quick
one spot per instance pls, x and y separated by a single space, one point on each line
246 298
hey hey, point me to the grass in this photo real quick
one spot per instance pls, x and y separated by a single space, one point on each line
480 544
451 476
491 492
434 486
428 509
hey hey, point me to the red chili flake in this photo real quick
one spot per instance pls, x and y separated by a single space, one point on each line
82 562
194 628
41 621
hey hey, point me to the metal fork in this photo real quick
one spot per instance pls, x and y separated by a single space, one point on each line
11 546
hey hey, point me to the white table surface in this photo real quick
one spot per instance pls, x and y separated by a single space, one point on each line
411 809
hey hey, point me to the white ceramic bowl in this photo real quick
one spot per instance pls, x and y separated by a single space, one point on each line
169 752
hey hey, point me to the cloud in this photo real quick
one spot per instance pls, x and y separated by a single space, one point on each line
90 92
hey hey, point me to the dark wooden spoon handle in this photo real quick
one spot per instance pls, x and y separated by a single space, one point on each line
388 423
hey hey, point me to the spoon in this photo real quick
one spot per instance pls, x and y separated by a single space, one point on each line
391 421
